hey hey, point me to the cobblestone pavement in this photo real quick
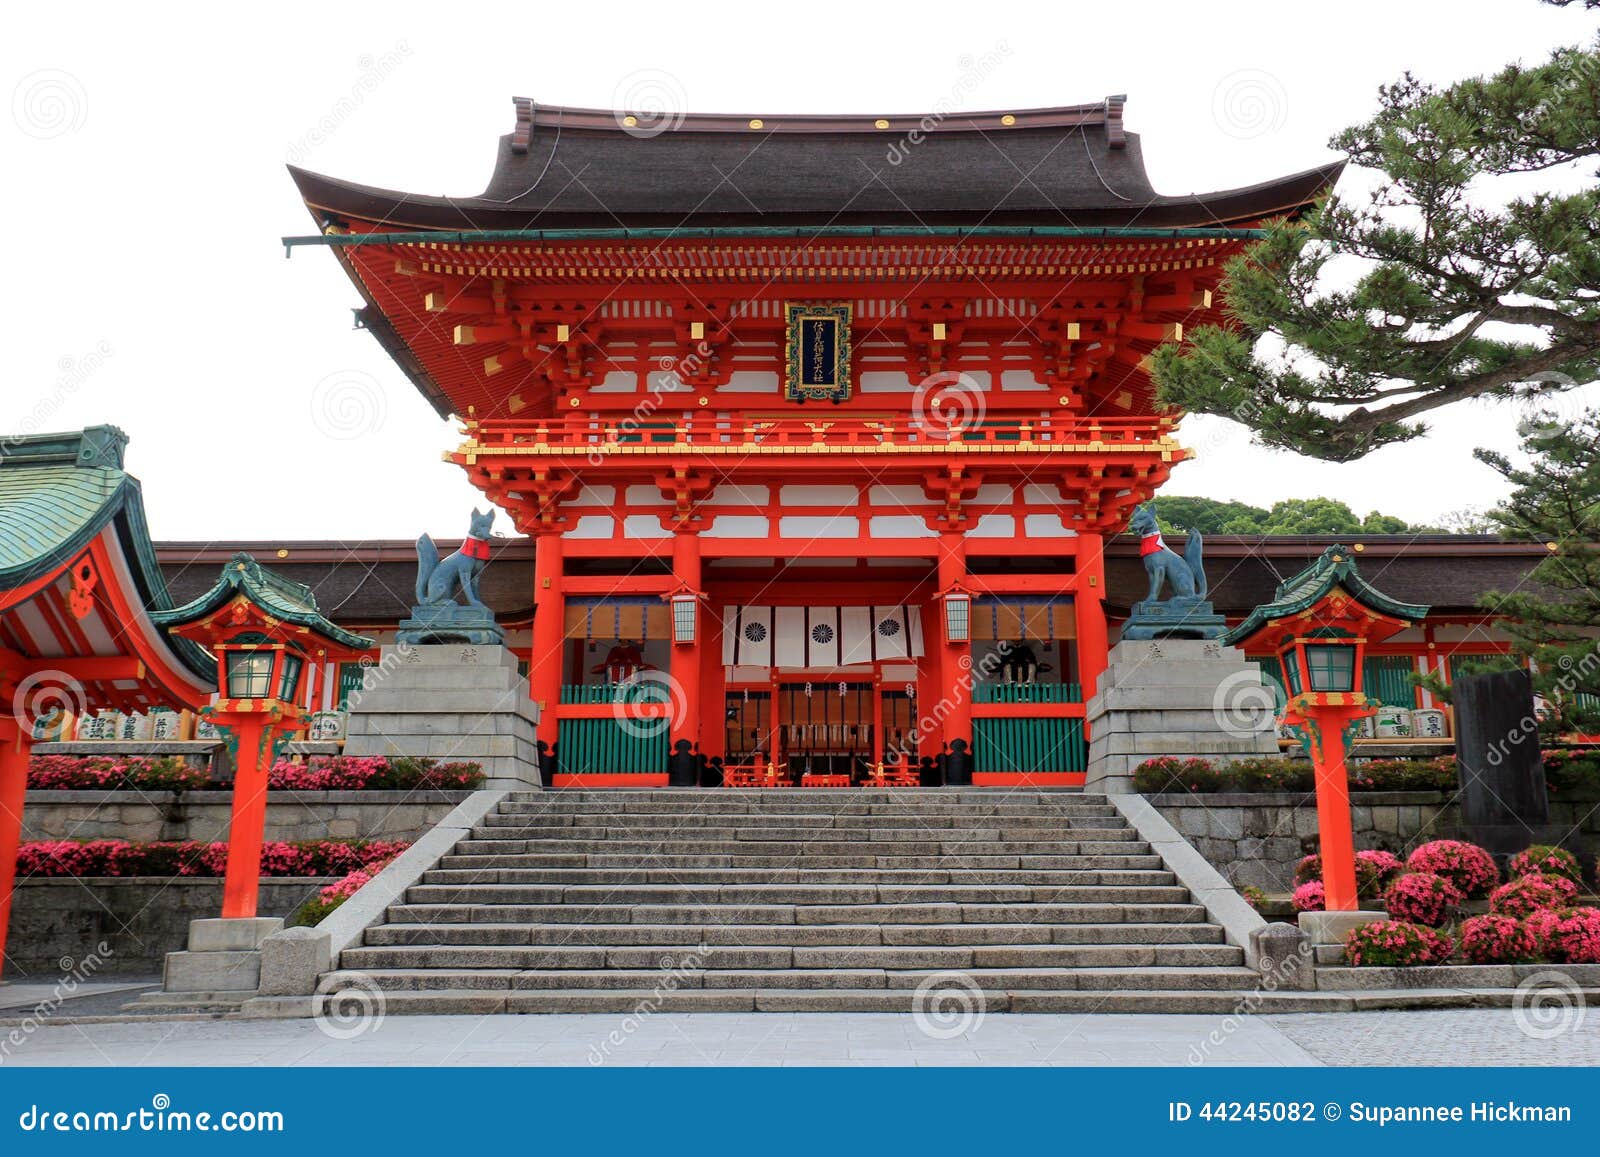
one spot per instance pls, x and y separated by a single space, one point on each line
1446 1037
1477 1037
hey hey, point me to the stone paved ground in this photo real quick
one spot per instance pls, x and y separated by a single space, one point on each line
1478 1037
1447 1037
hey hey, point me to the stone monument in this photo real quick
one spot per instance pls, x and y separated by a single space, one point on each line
1503 794
448 689
1170 686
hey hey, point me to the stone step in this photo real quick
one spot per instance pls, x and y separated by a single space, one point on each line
757 956
748 833
829 847
689 798
597 860
709 805
1104 817
654 875
467 935
733 915
816 894
1216 1001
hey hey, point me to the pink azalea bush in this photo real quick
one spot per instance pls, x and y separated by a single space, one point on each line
1571 936
1395 944
75 858
1467 866
330 773
1575 937
1422 898
373 773
114 773
331 896
1527 894
1310 897
1544 860
1497 939
1374 870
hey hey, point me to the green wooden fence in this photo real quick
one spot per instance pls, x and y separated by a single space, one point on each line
616 745
1027 693
1016 744
1387 678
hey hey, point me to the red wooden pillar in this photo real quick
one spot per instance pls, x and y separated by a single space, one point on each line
549 630
248 822
930 679
1089 610
16 744
714 683
1335 836
956 663
686 656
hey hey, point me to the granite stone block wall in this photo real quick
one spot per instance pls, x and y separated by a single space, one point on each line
1257 838
291 815
58 920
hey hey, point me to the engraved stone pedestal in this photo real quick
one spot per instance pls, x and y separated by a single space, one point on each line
452 702
1181 697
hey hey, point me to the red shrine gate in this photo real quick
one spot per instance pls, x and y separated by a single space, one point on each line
827 461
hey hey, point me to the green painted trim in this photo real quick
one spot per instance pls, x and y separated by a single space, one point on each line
279 597
1300 592
474 236
98 450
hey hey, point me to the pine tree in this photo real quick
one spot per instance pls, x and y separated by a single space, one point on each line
1553 618
1461 296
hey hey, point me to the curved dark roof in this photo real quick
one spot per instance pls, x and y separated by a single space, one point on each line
586 168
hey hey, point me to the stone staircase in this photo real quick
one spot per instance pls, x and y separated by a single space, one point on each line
796 900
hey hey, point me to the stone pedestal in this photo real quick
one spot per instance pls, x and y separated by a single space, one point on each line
224 956
1179 697
454 702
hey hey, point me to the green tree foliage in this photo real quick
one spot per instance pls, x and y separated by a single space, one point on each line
1326 517
1554 617
1468 286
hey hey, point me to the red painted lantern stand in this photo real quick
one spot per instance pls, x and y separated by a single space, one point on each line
257 723
1322 649
1326 724
263 667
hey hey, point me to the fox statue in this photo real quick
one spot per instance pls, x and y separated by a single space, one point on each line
439 579
1186 576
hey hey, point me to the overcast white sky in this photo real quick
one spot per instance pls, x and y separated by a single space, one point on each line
145 196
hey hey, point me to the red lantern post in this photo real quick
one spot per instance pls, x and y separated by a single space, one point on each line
265 632
1319 626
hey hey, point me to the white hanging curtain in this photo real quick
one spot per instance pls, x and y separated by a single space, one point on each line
821 636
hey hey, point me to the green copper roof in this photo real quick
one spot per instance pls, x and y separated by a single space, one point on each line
57 493
277 596
1299 593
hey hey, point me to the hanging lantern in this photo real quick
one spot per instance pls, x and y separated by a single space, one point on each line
957 617
254 667
684 619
